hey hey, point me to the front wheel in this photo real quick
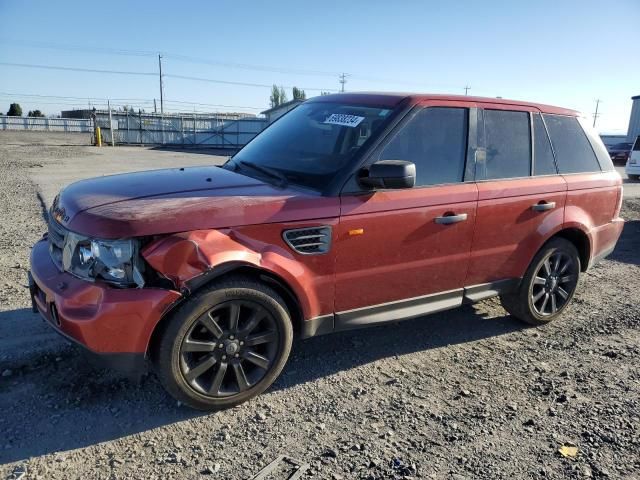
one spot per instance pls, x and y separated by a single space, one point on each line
225 345
548 285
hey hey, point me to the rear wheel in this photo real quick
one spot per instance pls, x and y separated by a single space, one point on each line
548 285
634 177
225 345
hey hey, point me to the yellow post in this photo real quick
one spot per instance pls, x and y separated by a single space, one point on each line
98 137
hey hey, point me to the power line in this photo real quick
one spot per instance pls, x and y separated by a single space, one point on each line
118 100
245 84
216 63
184 58
183 77
76 69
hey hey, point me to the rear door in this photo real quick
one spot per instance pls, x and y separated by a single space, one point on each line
521 197
406 252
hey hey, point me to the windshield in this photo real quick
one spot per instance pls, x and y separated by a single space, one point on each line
310 144
636 147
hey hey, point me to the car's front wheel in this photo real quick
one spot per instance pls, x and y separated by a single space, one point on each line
548 285
225 345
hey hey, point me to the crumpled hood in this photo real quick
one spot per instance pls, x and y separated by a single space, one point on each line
178 200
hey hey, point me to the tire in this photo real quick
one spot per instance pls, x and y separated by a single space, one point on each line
206 362
560 282
635 178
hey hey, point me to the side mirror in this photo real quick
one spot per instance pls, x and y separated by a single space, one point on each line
390 174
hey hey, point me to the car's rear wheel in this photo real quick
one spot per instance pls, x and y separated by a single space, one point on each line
548 285
225 345
634 177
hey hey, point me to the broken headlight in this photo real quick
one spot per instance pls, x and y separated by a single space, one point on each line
114 261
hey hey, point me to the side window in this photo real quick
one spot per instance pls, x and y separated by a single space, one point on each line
543 163
573 151
508 144
435 139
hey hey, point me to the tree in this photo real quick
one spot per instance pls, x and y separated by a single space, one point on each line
274 99
325 93
283 96
278 96
15 110
35 113
299 94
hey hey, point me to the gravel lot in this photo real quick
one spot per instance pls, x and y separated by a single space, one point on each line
465 394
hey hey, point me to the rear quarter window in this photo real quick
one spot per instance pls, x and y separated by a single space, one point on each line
574 153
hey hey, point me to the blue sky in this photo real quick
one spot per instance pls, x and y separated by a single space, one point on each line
566 53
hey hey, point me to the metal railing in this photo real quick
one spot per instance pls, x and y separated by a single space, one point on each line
46 124
184 130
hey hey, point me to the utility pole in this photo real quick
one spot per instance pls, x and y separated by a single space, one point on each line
343 80
466 89
113 141
160 68
155 107
596 114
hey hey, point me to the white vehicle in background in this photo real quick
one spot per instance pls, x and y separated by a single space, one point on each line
633 164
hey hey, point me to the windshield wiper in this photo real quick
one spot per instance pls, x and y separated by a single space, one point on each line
270 172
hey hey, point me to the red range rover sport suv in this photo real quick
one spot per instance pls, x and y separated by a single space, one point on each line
350 210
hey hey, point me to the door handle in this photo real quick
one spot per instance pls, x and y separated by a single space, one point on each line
449 219
543 206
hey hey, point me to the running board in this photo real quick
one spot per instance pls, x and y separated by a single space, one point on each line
407 308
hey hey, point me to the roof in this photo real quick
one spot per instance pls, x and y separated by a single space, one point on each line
295 101
390 100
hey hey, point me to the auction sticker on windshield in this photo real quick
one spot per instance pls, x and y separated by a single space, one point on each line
344 120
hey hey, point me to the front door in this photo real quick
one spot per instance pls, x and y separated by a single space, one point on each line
404 253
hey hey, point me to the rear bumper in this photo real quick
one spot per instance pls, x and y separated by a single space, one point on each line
115 324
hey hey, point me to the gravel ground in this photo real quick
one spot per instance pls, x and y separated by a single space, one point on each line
465 394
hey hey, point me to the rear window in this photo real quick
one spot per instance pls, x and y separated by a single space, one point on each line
574 153
508 144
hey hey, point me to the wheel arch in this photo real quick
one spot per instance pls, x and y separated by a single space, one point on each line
580 240
245 270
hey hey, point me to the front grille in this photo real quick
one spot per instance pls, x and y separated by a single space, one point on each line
56 238
309 241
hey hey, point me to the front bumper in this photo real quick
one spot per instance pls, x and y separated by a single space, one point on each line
107 321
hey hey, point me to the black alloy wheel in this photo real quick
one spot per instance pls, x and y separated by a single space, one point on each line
224 345
548 285
229 348
553 283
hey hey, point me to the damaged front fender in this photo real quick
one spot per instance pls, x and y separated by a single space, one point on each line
185 258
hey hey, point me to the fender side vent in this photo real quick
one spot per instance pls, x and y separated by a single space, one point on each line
309 241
